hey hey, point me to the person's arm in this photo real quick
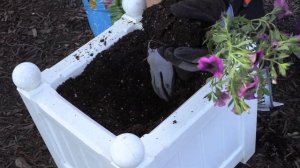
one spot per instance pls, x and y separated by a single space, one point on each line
152 2
251 9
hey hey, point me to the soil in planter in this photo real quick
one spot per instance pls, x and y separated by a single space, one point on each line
115 89
163 27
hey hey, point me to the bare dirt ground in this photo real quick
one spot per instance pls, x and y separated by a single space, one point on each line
44 32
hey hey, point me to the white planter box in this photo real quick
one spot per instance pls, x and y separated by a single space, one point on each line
204 136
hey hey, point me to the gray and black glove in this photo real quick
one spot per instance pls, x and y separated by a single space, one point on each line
162 74
161 62
185 58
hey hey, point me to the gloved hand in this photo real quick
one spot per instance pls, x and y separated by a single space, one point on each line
184 59
201 10
161 63
161 74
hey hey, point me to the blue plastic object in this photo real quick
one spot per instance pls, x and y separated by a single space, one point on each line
99 18
229 13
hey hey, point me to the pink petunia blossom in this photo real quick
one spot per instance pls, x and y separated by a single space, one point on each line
256 58
222 99
283 7
212 64
248 90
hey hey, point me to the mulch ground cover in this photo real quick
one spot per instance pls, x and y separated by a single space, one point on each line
44 32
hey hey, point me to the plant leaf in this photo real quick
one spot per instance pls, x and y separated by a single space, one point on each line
116 10
282 68
219 38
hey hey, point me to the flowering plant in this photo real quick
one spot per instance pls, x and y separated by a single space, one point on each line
241 49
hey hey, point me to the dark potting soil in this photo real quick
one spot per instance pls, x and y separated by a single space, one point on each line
115 89
163 27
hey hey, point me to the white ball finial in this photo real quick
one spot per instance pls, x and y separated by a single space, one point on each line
134 8
26 76
127 150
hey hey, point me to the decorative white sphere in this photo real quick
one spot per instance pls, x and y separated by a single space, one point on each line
134 8
26 76
127 150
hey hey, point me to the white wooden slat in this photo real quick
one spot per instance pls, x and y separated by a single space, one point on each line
231 128
194 147
249 131
43 129
174 162
71 147
214 142
58 142
47 122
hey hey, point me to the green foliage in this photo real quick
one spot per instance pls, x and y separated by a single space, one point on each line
115 10
235 42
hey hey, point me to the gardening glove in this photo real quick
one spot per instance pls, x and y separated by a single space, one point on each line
185 58
161 74
200 10
161 63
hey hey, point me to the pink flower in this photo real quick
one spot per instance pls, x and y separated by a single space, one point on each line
212 64
256 58
248 90
222 99
283 7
